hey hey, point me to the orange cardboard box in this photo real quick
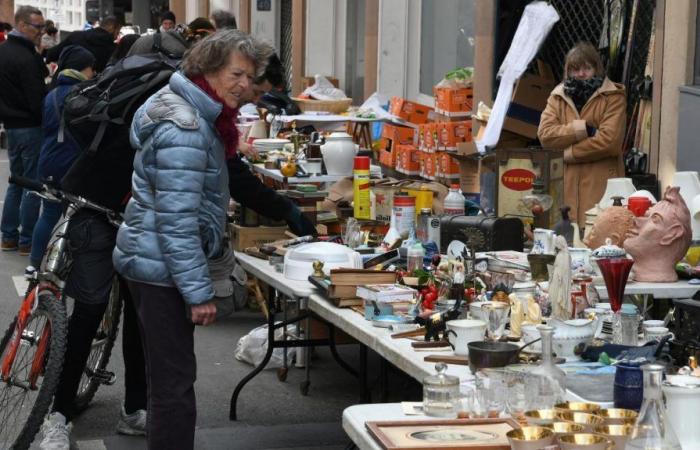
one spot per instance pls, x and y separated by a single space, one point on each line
429 166
408 160
426 136
448 167
410 111
398 134
450 100
452 133
387 156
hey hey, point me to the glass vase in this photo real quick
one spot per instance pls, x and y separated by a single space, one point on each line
551 380
651 430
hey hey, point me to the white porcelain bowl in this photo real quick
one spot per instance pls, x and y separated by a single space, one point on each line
298 262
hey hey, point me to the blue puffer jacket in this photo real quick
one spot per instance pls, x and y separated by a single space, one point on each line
176 217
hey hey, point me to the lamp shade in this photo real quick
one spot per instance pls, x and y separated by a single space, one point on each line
617 187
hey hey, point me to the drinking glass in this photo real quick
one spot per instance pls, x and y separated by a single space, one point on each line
497 315
518 394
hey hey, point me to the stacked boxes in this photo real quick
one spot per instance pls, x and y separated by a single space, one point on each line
409 111
453 102
408 159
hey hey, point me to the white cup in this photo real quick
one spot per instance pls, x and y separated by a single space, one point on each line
652 324
464 331
656 333
543 241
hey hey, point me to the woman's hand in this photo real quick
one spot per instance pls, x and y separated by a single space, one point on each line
248 151
204 314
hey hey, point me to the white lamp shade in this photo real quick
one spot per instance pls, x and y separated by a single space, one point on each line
617 187
689 182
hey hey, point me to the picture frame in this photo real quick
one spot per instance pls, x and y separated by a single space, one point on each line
448 434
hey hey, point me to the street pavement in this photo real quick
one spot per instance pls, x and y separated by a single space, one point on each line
273 414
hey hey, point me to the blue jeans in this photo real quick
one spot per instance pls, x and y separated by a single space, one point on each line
50 213
20 211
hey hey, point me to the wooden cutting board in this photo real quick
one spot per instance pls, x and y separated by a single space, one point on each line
448 359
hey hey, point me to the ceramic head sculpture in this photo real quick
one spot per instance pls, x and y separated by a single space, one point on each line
613 223
660 238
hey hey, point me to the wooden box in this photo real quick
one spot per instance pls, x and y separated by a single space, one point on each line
244 237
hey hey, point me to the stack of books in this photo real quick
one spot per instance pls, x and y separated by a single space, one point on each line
386 299
341 286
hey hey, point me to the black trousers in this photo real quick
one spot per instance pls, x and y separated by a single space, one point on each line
92 241
171 367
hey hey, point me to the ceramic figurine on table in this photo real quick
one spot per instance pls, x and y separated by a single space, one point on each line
660 239
521 313
560 284
613 223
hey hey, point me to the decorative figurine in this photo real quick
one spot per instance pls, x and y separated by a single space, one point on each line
560 284
613 223
318 269
660 238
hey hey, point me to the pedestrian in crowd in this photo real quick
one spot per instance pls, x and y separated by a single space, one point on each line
75 65
4 29
100 41
167 21
176 219
22 73
50 38
585 116
123 47
173 43
223 20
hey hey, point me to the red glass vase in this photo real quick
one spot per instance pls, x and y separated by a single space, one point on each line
615 273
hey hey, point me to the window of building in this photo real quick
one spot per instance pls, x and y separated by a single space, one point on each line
446 39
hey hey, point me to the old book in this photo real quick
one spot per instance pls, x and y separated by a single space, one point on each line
357 277
335 291
347 302
386 292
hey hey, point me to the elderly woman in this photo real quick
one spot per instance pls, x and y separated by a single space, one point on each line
585 116
176 219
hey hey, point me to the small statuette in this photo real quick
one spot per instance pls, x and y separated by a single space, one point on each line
318 269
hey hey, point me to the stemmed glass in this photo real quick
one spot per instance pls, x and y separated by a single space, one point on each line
615 273
497 314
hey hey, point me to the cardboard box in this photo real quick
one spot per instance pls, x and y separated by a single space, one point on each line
410 111
450 100
387 156
398 134
448 167
428 164
506 140
427 133
408 160
529 100
451 133
244 237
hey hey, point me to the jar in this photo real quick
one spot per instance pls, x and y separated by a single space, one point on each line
440 393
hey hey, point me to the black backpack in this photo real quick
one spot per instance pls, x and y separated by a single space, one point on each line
97 113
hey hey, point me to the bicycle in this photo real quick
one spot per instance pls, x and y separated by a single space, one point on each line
32 349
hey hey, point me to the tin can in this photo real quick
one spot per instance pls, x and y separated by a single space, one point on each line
404 210
423 224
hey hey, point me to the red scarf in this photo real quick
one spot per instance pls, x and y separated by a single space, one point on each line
226 122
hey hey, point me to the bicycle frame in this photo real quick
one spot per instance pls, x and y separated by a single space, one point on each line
56 262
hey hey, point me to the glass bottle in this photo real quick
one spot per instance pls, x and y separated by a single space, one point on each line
551 381
441 393
652 431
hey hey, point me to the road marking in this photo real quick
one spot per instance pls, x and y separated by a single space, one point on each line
21 284
91 445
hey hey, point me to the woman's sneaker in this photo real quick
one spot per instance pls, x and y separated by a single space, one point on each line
56 432
133 424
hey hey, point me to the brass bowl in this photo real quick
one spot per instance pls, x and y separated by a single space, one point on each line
530 438
618 416
565 428
589 421
584 441
616 433
578 406
541 416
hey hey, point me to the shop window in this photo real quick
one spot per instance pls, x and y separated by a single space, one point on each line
446 39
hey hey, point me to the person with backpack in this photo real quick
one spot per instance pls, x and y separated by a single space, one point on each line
174 42
22 73
176 219
75 65
100 41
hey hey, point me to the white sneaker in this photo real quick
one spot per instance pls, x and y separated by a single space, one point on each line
133 424
56 432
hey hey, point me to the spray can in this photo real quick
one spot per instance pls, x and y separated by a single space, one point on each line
424 199
434 229
423 224
361 191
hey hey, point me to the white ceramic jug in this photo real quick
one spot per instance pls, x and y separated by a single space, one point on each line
682 394
338 154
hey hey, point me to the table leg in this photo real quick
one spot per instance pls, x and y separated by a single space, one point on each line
334 352
232 415
307 359
383 380
282 372
364 389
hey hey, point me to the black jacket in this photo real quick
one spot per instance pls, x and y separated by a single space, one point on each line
250 192
22 86
98 41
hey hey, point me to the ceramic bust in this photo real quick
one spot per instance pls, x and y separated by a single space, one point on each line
660 238
612 223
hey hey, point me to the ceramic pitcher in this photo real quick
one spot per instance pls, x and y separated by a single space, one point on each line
543 241
682 398
338 154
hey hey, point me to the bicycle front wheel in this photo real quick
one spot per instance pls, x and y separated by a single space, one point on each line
95 372
26 393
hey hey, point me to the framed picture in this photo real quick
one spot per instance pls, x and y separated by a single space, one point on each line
452 434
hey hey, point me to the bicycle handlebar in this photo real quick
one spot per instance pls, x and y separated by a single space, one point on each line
27 183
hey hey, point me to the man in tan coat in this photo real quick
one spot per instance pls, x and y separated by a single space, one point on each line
585 116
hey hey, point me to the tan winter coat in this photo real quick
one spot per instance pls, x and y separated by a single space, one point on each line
588 161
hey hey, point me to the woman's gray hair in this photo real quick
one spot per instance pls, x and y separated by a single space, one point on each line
212 53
